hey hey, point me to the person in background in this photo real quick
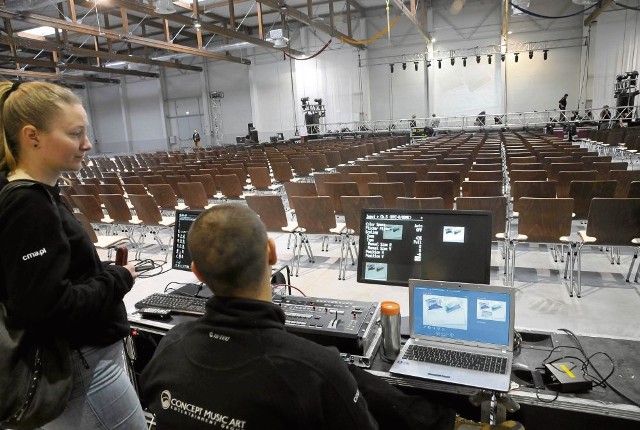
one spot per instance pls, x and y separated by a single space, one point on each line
238 361
63 290
196 138
562 105
412 122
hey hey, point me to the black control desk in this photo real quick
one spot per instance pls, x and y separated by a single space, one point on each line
598 409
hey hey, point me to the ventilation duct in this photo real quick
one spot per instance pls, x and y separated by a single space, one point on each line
165 7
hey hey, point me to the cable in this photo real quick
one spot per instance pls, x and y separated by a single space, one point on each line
274 286
626 6
374 38
312 56
528 12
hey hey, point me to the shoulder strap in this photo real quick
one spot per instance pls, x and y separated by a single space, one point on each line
22 183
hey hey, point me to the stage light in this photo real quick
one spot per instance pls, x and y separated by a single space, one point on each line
464 61
545 53
404 66
516 55
502 56
530 55
391 67
489 58
478 59
428 63
453 61
439 64
415 65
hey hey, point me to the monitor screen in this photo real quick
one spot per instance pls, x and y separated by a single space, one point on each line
443 245
280 136
181 256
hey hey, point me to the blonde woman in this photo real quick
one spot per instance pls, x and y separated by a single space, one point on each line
52 281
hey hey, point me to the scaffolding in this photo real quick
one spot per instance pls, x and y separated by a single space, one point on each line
215 111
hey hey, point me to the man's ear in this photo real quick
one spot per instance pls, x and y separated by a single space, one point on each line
196 272
271 251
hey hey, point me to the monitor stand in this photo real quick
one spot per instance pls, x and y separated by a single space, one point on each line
195 290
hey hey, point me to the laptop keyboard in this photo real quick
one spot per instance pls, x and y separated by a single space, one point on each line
465 360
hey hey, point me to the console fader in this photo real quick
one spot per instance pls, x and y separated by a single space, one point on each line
346 324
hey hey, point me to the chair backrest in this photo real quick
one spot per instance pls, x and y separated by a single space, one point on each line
207 182
321 178
88 205
86 226
282 171
545 219
497 167
634 190
554 169
624 179
485 175
164 195
526 166
173 181
419 203
318 161
229 186
604 167
527 175
389 191
481 188
363 180
353 205
85 189
454 177
519 189
152 179
270 210
301 165
260 178
614 221
195 197
434 188
116 207
565 178
497 205
238 171
346 169
339 189
407 178
110 189
315 214
333 158
380 169
135 189
582 192
146 208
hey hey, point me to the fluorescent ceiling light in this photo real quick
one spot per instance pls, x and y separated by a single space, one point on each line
40 31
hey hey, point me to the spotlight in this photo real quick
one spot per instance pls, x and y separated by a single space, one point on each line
404 66
453 61
464 61
478 59
530 55
502 56
439 64
516 55
546 51
489 58
428 63
415 65
391 67
318 101
197 24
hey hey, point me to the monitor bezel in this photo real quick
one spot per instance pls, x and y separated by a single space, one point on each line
178 212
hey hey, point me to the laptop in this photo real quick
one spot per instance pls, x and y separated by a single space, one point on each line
469 323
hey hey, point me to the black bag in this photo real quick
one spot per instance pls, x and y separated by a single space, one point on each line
35 374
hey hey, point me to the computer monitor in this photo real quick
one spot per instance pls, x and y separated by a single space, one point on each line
443 245
280 137
181 256
239 139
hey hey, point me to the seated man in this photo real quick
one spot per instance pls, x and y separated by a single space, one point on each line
237 367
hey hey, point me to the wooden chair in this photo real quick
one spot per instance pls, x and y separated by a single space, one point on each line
271 211
282 172
554 169
419 203
380 169
166 198
173 181
485 175
454 177
315 215
541 189
207 182
420 170
565 179
261 180
346 169
300 189
634 190
120 213
134 189
353 206
100 241
230 187
152 222
152 179
604 168
321 178
131 180
407 178
542 220
195 196
363 180
336 190
624 179
90 207
482 188
614 223
526 166
86 189
301 167
582 192
318 161
389 191
434 188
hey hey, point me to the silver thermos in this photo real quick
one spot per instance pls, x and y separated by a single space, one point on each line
390 321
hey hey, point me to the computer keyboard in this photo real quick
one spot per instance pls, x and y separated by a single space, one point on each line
177 304
465 360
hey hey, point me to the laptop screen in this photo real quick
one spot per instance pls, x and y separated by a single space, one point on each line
456 313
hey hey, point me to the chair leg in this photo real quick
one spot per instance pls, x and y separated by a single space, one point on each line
633 260
579 283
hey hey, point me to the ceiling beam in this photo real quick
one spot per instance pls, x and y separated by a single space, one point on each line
112 35
596 12
305 19
83 52
45 75
411 17
75 66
